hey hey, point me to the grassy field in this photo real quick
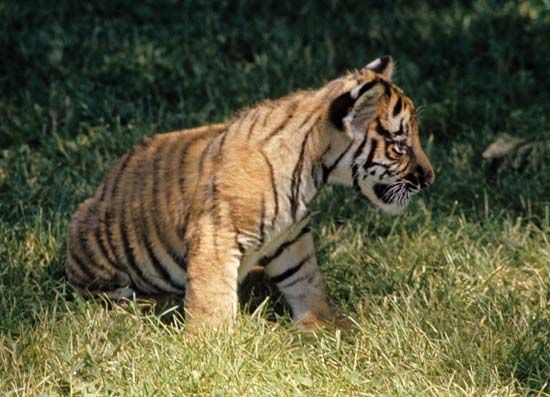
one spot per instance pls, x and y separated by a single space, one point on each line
451 298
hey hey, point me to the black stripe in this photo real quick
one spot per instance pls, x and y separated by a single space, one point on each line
297 179
387 172
100 242
255 119
109 203
312 116
405 165
379 164
387 88
325 151
281 126
370 157
142 227
157 265
90 256
273 186
397 107
366 87
181 169
240 247
83 266
182 155
341 106
199 176
327 170
262 221
401 130
382 131
103 191
182 230
266 260
227 129
95 282
355 166
289 272
109 217
178 259
308 276
203 157
129 254
216 217
222 141
103 248
181 172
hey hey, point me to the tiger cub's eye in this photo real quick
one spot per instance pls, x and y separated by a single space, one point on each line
400 148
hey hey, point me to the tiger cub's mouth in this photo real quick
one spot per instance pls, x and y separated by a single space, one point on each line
396 194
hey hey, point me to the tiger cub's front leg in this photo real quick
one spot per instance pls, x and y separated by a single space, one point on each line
211 295
296 274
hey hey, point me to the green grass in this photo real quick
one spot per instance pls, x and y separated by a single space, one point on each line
450 298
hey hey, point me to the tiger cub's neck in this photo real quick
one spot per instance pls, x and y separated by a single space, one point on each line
295 140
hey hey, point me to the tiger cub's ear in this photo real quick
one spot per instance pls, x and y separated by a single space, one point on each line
383 66
352 111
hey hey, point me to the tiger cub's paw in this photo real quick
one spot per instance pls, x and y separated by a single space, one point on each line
343 322
312 321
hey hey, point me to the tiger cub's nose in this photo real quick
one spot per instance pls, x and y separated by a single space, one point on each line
425 177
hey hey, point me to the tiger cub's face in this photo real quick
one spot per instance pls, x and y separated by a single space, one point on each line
385 159
392 167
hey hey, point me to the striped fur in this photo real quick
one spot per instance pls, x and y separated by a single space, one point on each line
192 212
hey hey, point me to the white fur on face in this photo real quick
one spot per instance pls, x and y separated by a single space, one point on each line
398 192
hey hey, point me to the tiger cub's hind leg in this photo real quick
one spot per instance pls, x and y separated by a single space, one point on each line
91 267
117 287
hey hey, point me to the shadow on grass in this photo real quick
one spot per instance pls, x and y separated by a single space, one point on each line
253 292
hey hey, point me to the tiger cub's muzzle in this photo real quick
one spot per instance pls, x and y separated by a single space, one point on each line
421 177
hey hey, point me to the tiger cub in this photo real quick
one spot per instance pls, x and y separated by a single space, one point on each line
192 212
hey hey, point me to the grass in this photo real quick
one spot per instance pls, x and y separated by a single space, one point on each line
450 298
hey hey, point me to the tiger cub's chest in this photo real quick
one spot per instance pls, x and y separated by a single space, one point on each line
259 256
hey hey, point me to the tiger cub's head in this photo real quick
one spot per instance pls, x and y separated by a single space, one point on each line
375 129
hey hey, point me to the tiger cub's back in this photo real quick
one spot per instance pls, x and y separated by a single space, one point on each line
130 234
